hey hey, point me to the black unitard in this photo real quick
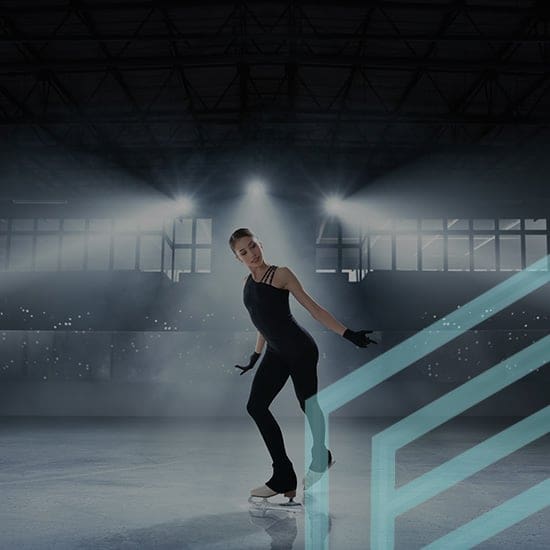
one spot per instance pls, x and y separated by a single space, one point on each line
291 351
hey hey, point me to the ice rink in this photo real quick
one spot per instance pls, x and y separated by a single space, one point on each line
183 483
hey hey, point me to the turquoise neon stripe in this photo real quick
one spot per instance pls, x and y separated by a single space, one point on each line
496 520
381 492
472 461
385 500
399 358
316 501
465 396
433 337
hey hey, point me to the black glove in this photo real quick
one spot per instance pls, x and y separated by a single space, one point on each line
253 358
359 338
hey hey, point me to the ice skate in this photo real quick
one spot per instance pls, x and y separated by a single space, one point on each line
283 482
313 475
259 497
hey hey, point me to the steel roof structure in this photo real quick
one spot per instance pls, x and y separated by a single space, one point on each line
197 88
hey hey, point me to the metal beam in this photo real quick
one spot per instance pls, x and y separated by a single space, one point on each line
418 6
90 25
106 144
281 116
320 36
448 65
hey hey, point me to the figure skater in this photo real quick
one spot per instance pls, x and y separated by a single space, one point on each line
291 351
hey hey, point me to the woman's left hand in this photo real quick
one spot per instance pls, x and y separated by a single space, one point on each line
359 337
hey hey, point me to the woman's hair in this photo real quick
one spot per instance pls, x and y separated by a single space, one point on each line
238 234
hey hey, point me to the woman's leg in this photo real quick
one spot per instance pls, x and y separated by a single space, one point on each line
269 379
303 371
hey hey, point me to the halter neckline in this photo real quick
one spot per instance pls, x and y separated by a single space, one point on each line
268 274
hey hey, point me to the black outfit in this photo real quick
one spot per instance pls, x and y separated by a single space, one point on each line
291 351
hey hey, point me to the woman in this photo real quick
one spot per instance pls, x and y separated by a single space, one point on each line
291 351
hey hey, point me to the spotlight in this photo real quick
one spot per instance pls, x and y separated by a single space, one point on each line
334 205
256 188
184 205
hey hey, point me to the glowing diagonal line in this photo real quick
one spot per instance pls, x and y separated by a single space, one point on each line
433 337
465 396
395 360
496 520
386 501
472 461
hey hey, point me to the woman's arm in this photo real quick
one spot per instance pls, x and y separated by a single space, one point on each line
327 319
318 312
260 341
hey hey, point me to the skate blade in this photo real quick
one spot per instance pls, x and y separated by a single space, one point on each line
262 503
295 507
291 504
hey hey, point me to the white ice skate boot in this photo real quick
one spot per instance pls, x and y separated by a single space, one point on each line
313 475
285 481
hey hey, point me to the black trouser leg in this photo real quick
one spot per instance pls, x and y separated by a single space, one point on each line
269 379
303 372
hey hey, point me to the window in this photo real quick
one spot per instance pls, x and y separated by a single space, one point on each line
124 254
20 257
511 224
149 253
484 225
433 224
184 231
536 224
204 231
484 253
510 252
74 225
3 251
72 251
326 260
202 260
48 244
458 225
432 252
99 251
405 225
406 252
44 224
182 262
125 226
47 253
22 224
535 248
350 259
380 252
458 253
330 232
455 244
167 258
150 224
338 248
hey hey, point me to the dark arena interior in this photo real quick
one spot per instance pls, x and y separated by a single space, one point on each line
391 159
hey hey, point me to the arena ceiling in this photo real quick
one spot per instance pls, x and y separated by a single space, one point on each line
194 88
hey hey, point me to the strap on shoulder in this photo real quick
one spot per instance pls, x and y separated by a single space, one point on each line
268 275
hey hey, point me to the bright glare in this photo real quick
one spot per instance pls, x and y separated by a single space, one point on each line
334 205
184 205
256 188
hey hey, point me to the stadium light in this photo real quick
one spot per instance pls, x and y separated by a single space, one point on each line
334 205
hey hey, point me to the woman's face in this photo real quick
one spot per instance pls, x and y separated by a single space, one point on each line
249 251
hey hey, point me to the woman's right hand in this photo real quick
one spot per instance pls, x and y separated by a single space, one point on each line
253 358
